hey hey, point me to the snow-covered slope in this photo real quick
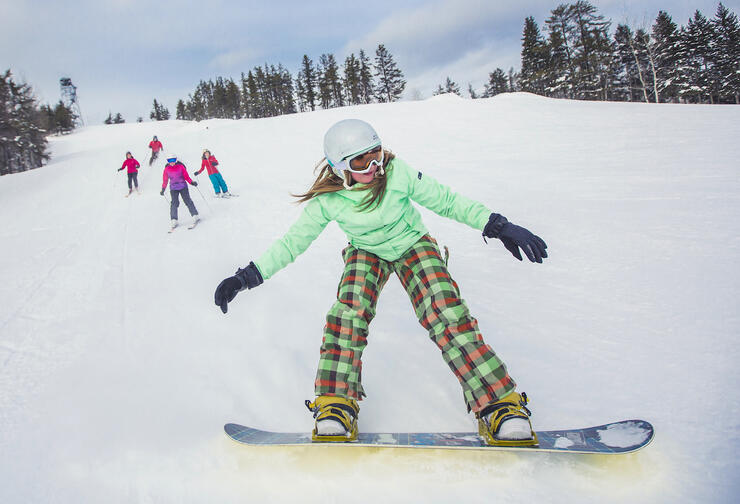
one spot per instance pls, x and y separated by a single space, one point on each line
117 371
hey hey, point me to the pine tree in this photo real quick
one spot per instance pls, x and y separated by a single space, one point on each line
118 119
22 137
593 51
307 78
199 101
697 64
330 87
452 87
287 92
301 95
250 96
727 54
535 59
667 49
64 118
497 83
390 84
181 111
217 104
367 83
159 112
471 92
351 80
631 80
561 75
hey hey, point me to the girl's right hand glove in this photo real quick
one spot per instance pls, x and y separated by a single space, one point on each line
245 278
515 237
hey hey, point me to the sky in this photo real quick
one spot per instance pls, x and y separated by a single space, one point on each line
123 54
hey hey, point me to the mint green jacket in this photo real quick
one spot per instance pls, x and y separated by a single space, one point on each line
387 230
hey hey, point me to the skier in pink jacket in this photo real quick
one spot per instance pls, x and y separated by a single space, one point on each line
132 169
176 174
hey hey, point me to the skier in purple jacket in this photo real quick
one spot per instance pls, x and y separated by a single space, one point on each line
176 174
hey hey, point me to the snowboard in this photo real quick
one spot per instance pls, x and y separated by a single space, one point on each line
613 438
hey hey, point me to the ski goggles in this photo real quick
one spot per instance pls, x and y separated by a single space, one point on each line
370 160
171 160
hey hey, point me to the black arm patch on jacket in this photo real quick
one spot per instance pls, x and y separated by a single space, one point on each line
419 175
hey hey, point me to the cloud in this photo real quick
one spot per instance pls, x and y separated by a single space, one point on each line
462 39
233 59
443 31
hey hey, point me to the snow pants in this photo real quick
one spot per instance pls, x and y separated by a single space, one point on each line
132 177
218 183
176 193
436 300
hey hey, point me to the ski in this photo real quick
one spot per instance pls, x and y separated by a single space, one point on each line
614 438
195 223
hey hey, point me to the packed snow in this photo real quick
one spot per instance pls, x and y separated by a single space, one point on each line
117 371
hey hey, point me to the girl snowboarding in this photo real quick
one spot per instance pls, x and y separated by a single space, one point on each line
132 170
177 175
368 192
210 163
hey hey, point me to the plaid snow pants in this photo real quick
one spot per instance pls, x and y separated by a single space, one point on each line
436 300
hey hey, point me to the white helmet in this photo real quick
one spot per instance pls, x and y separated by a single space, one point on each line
347 139
171 155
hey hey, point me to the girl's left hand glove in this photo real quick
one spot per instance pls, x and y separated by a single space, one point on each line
245 278
515 237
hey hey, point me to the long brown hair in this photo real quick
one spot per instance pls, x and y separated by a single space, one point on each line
328 182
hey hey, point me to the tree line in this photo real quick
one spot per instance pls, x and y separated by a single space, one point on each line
267 91
577 58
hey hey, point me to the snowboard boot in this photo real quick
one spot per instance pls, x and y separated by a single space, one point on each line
336 419
506 422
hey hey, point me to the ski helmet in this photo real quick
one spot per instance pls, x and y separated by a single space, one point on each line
345 140
171 158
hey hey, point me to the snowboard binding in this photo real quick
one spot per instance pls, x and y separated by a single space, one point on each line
493 417
336 419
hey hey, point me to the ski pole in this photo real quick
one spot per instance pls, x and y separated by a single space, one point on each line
204 200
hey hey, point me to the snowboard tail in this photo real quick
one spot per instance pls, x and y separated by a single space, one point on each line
613 438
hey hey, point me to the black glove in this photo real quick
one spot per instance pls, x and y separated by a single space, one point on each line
194 182
161 193
245 278
514 237
120 169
